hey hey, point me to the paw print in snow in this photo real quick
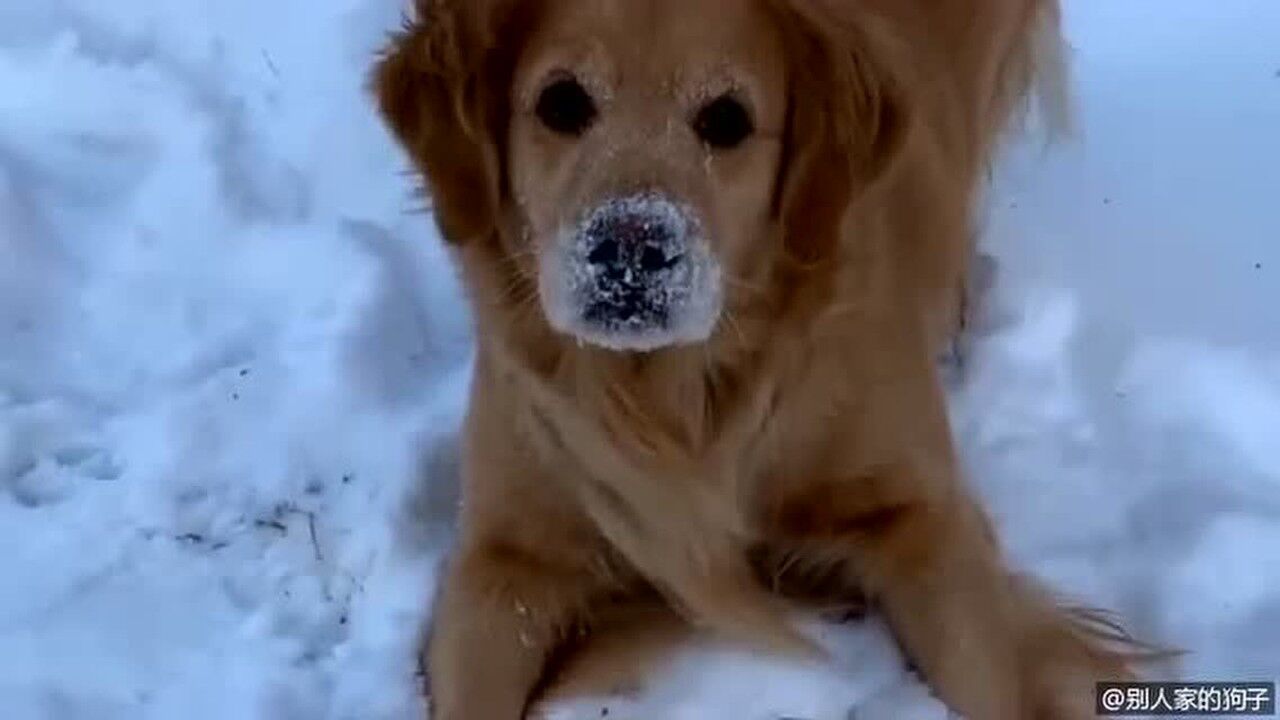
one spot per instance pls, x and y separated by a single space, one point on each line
53 477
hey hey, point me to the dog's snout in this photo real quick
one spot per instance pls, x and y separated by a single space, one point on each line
627 246
634 226
634 273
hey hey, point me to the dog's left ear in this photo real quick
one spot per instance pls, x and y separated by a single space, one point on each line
849 119
441 88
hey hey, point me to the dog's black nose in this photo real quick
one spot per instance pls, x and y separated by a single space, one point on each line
606 253
630 247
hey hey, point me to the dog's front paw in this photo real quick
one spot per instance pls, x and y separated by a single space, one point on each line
1064 667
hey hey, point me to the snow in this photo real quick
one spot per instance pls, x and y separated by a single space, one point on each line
233 360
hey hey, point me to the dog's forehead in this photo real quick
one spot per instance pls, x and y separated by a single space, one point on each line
662 43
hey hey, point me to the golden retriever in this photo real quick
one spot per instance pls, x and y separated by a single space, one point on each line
713 248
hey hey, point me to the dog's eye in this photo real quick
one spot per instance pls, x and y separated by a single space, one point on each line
566 107
723 123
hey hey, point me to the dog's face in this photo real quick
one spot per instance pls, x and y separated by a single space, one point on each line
639 164
644 145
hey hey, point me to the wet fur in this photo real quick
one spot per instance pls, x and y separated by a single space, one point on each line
804 450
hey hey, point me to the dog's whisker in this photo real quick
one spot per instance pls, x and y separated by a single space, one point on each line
514 257
733 323
782 569
743 284
520 292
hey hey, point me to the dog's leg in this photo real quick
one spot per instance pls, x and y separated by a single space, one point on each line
628 644
992 645
501 614
527 566
995 647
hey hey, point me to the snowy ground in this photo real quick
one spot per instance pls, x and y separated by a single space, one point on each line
228 352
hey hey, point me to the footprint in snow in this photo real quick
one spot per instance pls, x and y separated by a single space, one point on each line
53 477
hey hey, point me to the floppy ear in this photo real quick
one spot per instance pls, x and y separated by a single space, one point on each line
849 117
441 88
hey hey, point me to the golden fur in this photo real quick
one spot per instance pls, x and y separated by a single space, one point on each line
803 450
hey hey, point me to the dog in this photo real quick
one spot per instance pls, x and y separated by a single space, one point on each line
712 249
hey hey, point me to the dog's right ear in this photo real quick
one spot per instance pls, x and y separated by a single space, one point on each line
850 115
441 88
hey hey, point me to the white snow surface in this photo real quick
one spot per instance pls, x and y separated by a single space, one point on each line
233 361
